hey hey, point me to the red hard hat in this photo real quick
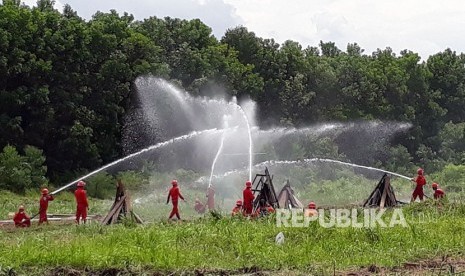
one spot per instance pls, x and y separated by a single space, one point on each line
435 185
21 207
248 184
312 205
420 171
81 184
44 191
174 182
239 202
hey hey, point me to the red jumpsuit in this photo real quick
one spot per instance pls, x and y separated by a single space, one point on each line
22 220
175 194
82 204
236 210
438 193
44 199
248 200
418 192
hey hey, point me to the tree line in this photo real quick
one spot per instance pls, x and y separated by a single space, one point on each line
66 84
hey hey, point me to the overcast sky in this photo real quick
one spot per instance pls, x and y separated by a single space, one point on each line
422 26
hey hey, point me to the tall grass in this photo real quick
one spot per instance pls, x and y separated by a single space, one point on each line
228 243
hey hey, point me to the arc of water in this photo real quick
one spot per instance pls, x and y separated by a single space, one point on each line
156 146
292 162
250 141
219 151
360 166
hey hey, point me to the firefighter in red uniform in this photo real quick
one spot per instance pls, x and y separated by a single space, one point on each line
174 194
264 209
311 211
420 182
43 206
81 202
237 210
21 219
438 193
248 198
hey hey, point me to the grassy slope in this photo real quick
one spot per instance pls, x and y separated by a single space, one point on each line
230 244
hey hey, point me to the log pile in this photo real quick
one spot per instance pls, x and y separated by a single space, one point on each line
383 195
263 184
287 199
121 208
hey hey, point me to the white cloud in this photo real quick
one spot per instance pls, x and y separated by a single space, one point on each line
423 26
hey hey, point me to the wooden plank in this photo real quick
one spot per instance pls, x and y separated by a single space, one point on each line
112 212
383 197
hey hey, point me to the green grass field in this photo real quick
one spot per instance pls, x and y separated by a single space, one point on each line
232 244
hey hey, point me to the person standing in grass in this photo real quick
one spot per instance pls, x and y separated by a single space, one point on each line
174 194
82 204
43 206
248 198
420 182
21 219
438 193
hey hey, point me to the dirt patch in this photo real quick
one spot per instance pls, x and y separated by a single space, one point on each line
438 266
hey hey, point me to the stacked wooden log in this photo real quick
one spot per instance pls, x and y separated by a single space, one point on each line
121 208
263 184
287 199
383 195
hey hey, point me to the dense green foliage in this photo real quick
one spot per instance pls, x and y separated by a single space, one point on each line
227 243
66 83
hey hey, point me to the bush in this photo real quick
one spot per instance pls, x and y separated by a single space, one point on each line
18 173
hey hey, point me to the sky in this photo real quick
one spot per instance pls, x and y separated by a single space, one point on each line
422 26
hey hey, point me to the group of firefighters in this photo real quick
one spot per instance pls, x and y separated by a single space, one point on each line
21 219
243 207
420 182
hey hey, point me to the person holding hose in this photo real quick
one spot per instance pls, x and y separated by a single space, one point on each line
174 194
81 202
438 193
248 198
43 206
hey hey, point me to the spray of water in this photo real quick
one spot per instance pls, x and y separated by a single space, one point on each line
250 141
269 163
159 145
225 118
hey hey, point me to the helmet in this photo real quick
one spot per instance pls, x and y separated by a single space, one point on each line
312 205
420 171
239 202
174 182
21 208
81 184
45 191
435 185
248 184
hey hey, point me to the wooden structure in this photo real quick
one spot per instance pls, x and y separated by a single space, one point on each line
383 195
287 199
263 184
121 208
